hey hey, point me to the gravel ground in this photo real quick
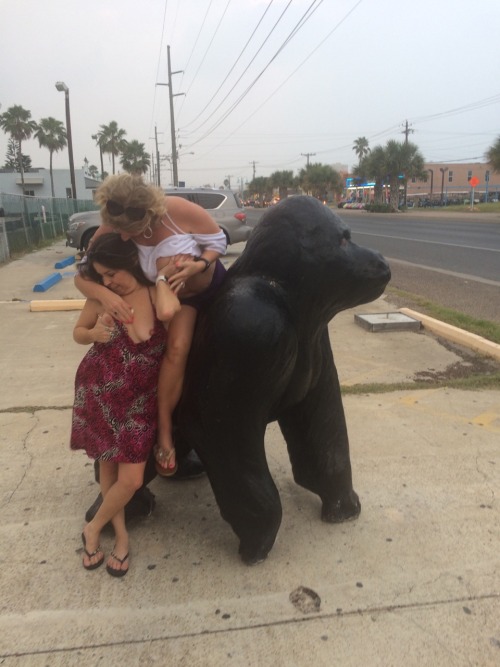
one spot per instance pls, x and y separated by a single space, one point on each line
472 297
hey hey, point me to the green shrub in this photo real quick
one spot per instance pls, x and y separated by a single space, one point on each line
379 208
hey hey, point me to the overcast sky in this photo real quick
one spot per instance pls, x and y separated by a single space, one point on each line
265 81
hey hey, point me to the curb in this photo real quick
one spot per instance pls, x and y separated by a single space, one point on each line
64 262
56 304
456 335
47 282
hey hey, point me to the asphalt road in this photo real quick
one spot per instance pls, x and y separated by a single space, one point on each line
453 242
450 259
466 289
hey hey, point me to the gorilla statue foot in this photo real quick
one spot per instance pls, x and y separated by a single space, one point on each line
252 555
341 509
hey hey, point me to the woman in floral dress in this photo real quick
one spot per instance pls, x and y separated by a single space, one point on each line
115 408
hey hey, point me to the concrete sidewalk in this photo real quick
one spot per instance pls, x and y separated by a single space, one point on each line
414 580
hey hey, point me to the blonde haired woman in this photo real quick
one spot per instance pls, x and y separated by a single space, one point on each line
179 244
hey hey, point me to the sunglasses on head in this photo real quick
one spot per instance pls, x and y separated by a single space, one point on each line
132 213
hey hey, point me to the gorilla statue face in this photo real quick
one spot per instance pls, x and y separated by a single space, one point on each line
306 248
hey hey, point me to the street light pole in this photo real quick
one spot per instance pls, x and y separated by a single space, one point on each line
443 171
61 86
432 183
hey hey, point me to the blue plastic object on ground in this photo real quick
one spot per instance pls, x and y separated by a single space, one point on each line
64 262
47 282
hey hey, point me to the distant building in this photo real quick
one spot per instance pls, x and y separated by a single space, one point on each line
341 168
37 183
446 182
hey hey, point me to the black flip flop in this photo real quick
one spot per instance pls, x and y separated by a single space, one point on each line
113 571
92 566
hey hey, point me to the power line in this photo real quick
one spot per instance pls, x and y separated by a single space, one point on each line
290 76
244 71
158 64
299 25
198 37
209 44
487 101
234 64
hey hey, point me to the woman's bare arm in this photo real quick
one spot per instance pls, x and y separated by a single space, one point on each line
90 327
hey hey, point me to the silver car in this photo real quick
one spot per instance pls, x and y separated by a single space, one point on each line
224 206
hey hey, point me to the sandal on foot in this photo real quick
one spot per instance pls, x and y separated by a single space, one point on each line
114 572
160 455
92 566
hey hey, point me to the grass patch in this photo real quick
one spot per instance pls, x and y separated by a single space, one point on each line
490 207
472 383
483 328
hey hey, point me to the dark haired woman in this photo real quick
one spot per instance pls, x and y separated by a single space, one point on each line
115 408
179 244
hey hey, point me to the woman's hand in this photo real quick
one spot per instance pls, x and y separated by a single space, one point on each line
185 269
111 302
167 266
116 307
103 329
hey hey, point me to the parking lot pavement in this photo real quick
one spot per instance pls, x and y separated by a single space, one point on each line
414 580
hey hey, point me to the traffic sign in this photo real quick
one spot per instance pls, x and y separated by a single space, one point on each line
474 181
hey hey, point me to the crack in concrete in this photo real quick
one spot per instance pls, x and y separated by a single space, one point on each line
31 409
390 608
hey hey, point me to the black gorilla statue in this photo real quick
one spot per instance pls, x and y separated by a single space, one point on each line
261 352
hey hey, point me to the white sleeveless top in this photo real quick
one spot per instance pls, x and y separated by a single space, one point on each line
180 243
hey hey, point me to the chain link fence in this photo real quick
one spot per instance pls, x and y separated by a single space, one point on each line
27 223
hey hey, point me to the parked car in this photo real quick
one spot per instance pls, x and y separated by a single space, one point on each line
224 206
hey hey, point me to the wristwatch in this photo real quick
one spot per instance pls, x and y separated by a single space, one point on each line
161 279
202 259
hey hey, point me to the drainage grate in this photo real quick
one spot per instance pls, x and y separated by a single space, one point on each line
387 322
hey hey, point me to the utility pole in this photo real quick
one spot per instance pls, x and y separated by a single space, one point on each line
308 155
171 96
158 180
406 132
155 160
253 164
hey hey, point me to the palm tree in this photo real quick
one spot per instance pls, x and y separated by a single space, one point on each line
112 140
493 155
17 122
282 180
320 179
403 161
51 134
12 155
134 158
361 148
98 138
373 166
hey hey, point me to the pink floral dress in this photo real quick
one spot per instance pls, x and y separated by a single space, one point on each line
115 408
